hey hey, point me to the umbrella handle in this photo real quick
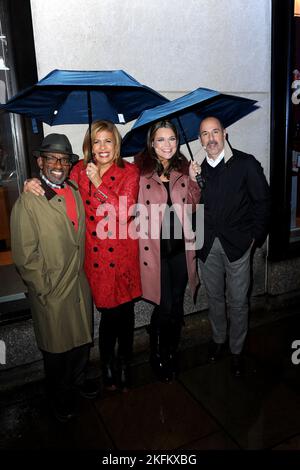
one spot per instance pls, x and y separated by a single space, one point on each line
200 180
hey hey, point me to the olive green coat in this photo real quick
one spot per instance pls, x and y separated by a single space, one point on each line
49 256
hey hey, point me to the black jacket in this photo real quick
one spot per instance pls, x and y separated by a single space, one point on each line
236 205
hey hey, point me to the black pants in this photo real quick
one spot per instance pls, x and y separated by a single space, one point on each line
116 325
167 317
174 278
65 371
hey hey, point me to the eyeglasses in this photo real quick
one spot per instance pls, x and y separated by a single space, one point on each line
51 160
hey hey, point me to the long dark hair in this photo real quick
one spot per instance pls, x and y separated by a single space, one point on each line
147 160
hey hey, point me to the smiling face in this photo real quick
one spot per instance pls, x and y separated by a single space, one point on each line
212 136
55 166
104 148
164 144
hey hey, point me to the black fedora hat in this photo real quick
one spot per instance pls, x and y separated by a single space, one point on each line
57 143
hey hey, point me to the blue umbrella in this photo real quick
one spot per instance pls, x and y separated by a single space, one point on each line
186 113
79 97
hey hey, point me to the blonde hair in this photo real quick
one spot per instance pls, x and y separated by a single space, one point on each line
88 140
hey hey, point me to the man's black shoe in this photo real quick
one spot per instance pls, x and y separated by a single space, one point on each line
63 412
89 389
215 351
109 376
237 365
124 380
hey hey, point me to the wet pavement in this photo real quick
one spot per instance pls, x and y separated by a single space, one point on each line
204 409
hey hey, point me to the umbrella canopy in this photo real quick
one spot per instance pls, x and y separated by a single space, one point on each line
186 113
80 97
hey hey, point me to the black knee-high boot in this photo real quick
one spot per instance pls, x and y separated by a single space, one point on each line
174 339
164 341
107 342
153 339
155 348
169 337
125 344
159 348
164 353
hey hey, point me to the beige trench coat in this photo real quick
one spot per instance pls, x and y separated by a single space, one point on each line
49 256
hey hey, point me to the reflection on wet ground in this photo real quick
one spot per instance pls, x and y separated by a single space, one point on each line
204 409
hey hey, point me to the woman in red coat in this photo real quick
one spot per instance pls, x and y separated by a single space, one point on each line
166 262
109 187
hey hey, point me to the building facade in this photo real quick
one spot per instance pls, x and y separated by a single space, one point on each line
237 47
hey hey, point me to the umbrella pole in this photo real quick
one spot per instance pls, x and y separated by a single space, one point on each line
185 139
199 178
89 104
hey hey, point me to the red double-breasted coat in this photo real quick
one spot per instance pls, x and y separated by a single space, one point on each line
111 256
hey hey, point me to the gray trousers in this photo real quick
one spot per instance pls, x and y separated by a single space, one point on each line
214 270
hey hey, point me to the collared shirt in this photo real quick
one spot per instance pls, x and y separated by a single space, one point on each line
215 162
49 183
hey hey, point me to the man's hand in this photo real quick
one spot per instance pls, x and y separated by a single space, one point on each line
33 185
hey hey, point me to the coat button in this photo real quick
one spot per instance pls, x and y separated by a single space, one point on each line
112 265
183 199
92 217
94 234
110 249
146 248
96 265
59 200
147 202
145 263
183 185
95 248
87 202
112 178
148 186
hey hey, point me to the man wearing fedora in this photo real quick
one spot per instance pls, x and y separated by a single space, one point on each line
48 236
